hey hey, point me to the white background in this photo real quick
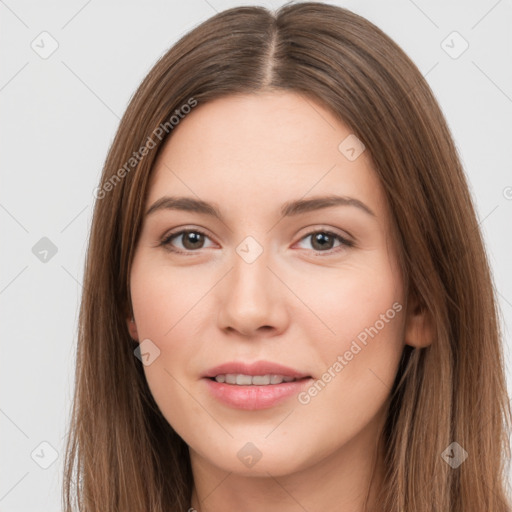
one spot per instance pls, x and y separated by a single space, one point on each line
58 118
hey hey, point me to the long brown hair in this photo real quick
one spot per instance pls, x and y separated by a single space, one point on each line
122 454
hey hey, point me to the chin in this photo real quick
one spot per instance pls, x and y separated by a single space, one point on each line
255 459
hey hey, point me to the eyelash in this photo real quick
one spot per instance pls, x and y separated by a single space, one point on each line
166 241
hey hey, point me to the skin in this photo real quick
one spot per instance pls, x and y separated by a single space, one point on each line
297 304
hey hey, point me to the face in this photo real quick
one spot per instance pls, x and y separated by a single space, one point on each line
310 292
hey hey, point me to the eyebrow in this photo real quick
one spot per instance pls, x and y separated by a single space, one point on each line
288 209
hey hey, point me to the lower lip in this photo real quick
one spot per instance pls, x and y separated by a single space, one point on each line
255 397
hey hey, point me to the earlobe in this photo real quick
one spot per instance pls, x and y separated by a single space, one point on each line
419 328
132 329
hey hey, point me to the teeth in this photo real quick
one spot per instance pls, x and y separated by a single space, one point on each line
276 379
252 380
243 380
262 380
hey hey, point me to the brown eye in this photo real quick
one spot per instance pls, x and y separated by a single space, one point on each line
323 241
191 240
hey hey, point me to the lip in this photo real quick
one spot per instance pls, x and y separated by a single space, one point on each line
257 368
254 397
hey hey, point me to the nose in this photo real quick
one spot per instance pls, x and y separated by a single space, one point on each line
252 301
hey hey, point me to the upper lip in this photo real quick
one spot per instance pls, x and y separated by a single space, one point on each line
256 368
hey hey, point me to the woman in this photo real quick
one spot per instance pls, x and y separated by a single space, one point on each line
287 300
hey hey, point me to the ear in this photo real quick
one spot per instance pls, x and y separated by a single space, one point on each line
132 328
419 326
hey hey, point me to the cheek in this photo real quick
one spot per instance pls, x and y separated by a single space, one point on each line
345 302
163 301
172 309
362 322
162 298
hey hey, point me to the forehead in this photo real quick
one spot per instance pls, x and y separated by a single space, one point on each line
257 149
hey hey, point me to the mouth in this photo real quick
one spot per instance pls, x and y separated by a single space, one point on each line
259 385
237 370
241 379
